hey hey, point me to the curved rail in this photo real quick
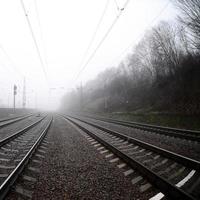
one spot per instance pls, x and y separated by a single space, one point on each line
10 118
164 185
9 121
180 133
188 162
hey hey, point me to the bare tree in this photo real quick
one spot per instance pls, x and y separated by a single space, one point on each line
190 10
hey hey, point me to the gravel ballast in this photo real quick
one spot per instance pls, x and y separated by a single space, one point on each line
73 169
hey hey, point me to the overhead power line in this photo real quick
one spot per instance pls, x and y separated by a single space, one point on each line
38 18
41 32
35 41
95 32
131 44
11 62
103 39
12 65
116 4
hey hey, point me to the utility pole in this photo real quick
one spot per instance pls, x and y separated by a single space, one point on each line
105 98
35 100
81 97
24 94
80 94
14 94
8 102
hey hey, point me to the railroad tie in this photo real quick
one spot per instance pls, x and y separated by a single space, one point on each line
20 190
145 187
36 161
128 172
29 178
121 165
41 151
102 152
109 155
136 179
33 169
4 175
39 155
95 142
114 160
4 159
100 148
6 167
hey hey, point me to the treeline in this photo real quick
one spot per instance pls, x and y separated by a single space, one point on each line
161 74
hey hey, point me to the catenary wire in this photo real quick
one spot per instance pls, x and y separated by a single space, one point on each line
41 32
35 41
103 39
13 66
116 4
95 33
139 36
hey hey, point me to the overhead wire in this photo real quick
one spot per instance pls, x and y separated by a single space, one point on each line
116 4
131 44
13 66
95 32
35 41
41 32
103 39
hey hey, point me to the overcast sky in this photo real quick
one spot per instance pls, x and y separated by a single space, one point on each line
63 32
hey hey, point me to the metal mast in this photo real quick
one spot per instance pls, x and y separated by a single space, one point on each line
24 95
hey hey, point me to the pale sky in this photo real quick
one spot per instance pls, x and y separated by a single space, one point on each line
63 33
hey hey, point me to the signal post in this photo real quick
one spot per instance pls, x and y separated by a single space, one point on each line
14 94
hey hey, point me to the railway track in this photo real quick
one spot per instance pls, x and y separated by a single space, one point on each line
8 121
16 151
176 176
168 131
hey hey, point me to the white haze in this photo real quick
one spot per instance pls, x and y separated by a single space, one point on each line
66 27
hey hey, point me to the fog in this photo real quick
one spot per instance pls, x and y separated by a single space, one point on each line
63 29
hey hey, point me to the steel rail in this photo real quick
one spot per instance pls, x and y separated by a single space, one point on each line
20 132
188 162
14 120
174 132
10 180
10 118
164 186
